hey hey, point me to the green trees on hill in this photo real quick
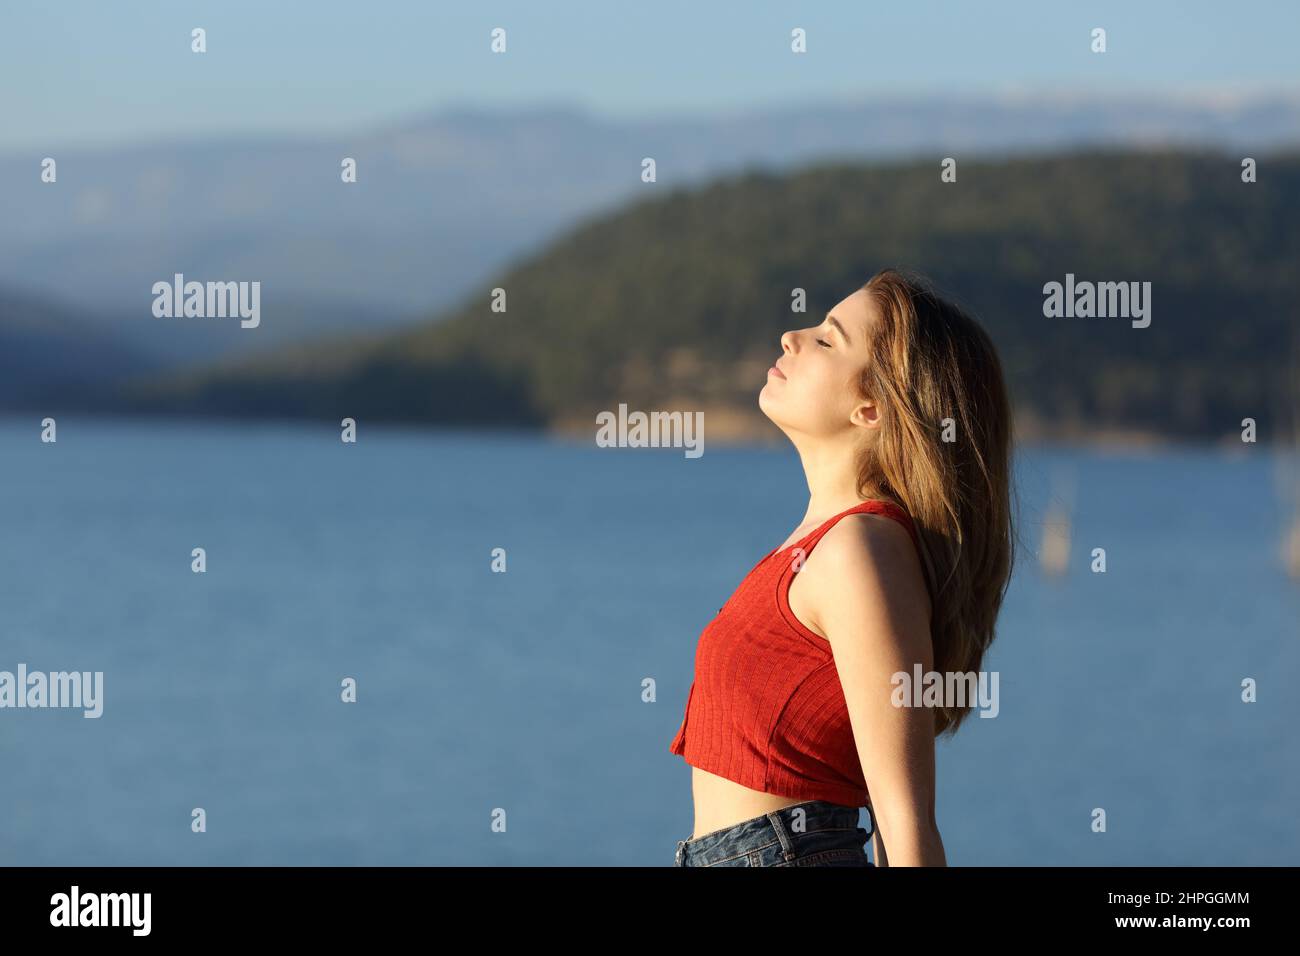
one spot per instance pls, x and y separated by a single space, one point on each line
679 300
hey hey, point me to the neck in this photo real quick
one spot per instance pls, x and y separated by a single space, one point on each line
832 476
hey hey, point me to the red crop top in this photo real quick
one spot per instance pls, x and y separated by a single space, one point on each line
765 708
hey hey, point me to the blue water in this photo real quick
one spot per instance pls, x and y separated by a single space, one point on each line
481 692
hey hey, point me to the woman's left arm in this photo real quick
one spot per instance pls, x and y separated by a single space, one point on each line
867 595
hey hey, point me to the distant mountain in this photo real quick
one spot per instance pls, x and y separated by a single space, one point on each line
445 200
679 302
52 359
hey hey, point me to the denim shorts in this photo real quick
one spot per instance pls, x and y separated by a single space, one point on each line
812 833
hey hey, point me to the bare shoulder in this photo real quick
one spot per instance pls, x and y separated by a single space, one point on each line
866 558
867 542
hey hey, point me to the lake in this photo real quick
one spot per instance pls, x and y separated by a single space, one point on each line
481 692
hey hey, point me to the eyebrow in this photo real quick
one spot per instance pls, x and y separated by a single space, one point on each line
836 322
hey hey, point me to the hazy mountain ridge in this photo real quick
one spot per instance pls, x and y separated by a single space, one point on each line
448 199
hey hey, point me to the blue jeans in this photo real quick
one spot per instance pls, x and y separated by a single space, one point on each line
812 833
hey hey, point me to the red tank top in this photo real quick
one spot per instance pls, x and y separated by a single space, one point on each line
765 708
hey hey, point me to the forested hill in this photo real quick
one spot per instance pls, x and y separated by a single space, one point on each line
677 301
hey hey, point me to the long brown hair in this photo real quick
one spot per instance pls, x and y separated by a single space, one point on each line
943 454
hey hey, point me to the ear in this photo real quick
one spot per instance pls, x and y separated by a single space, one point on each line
866 414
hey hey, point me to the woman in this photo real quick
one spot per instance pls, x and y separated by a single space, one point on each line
795 718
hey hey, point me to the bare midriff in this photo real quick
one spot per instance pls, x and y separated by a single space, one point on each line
722 803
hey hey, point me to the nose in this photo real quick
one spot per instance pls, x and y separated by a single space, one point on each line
787 341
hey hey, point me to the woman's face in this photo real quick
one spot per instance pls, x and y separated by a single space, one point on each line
810 388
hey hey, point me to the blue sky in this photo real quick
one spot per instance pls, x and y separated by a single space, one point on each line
95 71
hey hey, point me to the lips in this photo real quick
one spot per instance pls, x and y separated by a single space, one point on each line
776 371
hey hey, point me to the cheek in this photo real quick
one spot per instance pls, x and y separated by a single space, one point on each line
829 390
818 383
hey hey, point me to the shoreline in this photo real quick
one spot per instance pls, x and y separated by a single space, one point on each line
724 427
729 427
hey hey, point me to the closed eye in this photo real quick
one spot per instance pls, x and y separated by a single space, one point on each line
823 342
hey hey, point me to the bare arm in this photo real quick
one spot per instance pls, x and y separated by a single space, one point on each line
868 597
